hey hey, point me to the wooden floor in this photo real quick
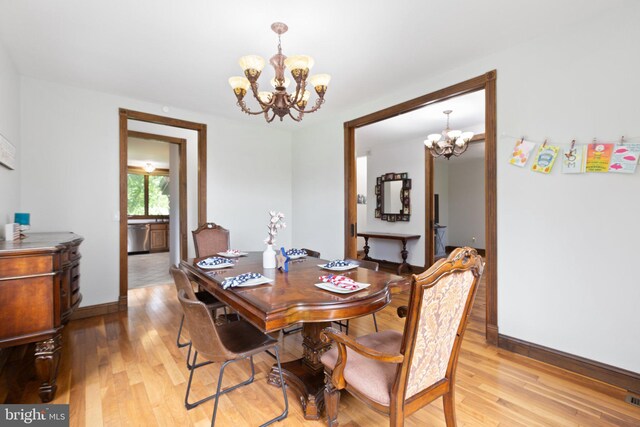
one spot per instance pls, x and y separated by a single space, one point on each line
124 369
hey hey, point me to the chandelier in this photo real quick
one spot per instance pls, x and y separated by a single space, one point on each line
279 102
449 142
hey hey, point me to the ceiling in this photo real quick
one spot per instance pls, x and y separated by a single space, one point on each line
142 151
467 115
180 54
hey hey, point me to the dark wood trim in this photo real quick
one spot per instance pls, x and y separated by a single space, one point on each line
141 171
182 177
429 206
491 207
487 82
95 310
201 129
155 137
202 174
477 138
350 194
606 373
124 262
471 85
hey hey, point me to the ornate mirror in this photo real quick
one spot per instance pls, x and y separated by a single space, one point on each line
392 195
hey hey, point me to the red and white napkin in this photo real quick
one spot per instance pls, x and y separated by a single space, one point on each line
340 281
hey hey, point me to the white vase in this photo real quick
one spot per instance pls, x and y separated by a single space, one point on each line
269 257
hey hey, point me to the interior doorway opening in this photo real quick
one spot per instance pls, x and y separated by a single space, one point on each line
487 85
166 230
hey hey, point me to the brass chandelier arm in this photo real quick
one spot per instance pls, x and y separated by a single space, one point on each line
317 106
243 107
297 119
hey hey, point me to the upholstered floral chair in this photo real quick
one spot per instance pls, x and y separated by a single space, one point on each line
398 373
209 239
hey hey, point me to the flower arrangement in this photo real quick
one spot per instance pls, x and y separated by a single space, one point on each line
275 224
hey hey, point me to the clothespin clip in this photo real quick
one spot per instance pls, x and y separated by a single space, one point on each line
545 143
571 151
594 143
622 140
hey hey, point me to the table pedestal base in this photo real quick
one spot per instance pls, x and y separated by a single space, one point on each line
306 385
305 376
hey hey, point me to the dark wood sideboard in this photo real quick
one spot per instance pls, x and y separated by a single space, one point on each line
39 289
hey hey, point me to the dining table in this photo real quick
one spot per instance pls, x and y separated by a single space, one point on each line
292 298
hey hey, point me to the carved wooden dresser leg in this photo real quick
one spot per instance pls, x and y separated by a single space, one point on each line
47 361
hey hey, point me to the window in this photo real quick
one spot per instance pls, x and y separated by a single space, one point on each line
147 195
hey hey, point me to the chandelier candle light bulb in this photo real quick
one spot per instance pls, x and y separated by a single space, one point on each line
279 102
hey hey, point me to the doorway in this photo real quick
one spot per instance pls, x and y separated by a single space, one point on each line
127 117
486 82
156 208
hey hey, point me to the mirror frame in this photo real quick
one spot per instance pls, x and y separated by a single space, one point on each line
405 196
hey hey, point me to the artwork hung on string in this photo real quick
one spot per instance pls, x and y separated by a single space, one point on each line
625 158
521 152
599 157
545 158
574 159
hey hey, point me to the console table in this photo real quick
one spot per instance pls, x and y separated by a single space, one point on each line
390 236
39 289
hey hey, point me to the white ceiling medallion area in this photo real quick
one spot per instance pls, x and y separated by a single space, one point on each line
180 54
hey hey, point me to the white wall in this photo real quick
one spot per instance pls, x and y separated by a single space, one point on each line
10 129
466 203
398 157
567 245
70 182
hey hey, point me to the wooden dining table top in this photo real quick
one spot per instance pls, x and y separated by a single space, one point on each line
292 297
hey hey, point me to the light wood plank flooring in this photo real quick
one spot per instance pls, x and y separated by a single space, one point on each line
124 369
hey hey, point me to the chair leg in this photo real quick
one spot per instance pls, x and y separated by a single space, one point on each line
375 322
331 402
449 408
178 343
226 390
284 413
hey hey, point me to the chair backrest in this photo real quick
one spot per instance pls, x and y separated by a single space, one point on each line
182 282
202 328
209 239
369 265
439 306
312 253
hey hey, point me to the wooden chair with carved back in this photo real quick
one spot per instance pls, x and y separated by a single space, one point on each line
399 373
209 239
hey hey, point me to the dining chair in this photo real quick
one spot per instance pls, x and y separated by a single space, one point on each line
294 329
225 344
369 265
398 373
182 282
209 239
